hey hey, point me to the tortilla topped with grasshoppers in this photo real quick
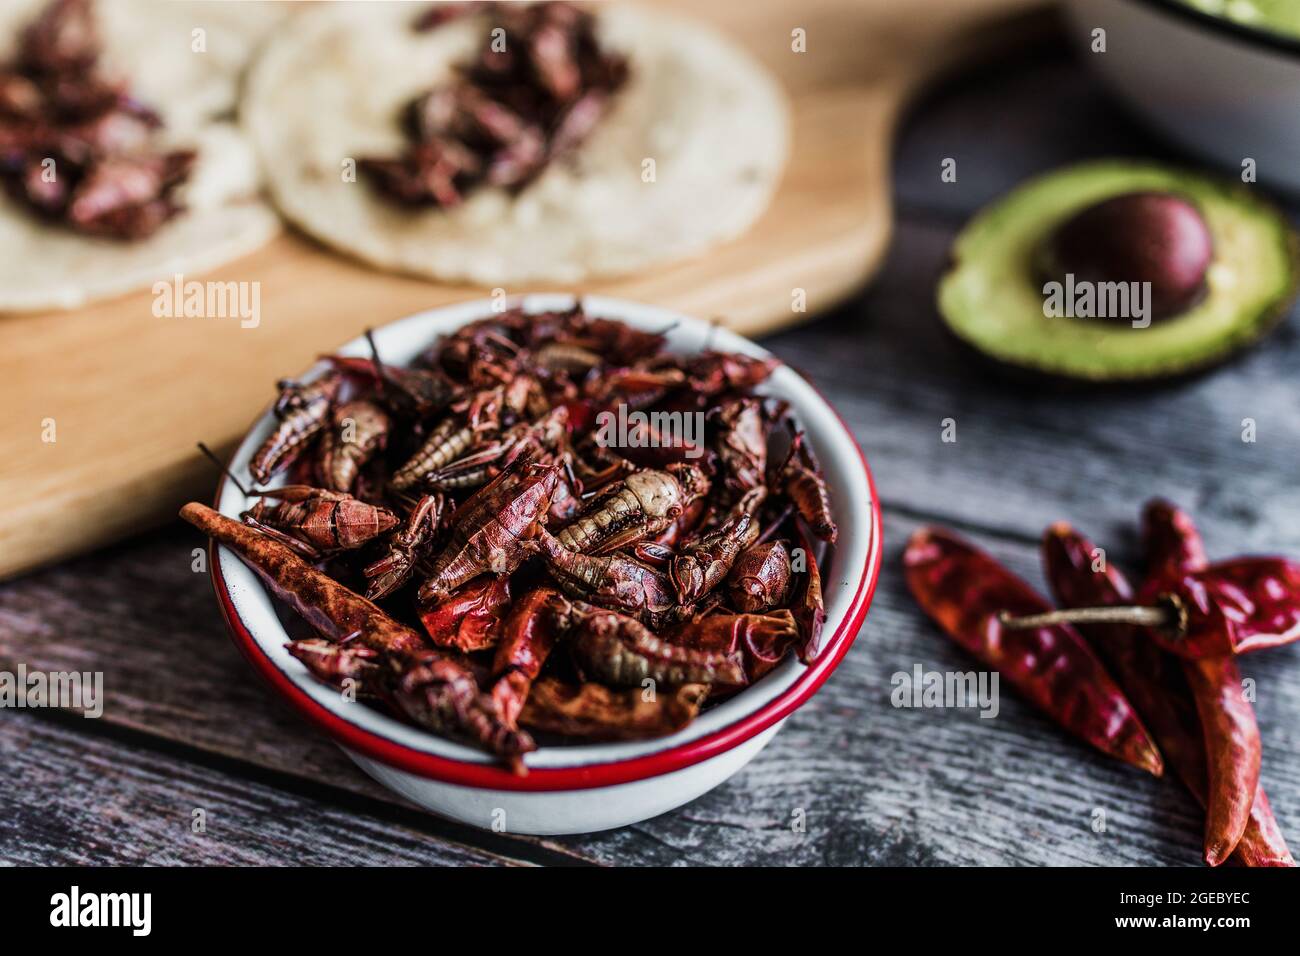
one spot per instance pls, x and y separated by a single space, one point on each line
687 154
173 71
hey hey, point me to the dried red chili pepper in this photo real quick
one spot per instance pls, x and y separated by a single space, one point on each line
430 687
1232 750
469 619
594 712
963 590
531 630
1233 607
325 604
1153 679
761 640
810 610
1172 545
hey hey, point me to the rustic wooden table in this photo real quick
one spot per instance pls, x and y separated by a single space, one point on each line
186 725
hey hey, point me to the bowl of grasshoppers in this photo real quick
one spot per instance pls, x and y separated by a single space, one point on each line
546 564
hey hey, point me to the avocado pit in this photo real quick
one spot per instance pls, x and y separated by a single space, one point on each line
1151 237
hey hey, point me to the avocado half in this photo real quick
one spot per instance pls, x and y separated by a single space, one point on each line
992 297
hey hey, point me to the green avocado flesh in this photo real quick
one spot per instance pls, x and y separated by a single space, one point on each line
1277 16
992 299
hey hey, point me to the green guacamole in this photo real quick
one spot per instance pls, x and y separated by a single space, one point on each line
1276 16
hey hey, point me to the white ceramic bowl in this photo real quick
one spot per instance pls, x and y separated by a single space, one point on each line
1226 91
574 789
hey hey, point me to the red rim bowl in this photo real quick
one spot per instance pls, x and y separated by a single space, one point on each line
836 640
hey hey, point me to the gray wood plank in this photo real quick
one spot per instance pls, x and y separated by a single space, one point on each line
141 615
1010 120
72 798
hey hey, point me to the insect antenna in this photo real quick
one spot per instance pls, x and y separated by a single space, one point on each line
574 483
379 363
207 452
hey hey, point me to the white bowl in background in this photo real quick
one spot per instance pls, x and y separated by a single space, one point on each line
588 787
1226 91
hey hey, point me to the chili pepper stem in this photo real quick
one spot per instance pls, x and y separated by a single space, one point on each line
1162 616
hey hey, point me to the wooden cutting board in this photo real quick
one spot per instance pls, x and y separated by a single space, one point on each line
129 394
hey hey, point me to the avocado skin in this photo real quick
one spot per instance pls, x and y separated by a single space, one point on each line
1038 381
1248 329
